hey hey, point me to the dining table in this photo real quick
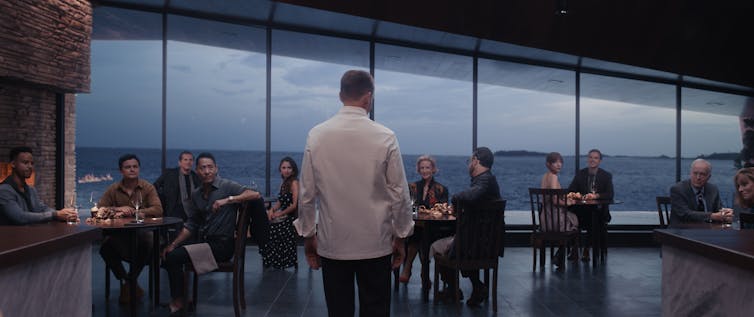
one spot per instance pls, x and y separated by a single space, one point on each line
130 227
430 224
599 226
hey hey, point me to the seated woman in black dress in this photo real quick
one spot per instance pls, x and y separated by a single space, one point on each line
280 251
424 192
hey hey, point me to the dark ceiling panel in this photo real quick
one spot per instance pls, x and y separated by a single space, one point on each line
705 39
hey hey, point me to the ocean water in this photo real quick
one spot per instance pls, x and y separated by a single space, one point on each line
637 181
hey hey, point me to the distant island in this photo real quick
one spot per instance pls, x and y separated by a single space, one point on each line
519 153
721 156
714 156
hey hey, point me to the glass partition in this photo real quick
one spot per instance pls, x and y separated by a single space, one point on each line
428 108
521 123
216 95
637 141
710 129
122 113
306 72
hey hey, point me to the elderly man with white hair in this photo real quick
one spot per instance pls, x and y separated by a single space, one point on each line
697 200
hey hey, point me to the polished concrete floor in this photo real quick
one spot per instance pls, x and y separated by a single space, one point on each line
627 285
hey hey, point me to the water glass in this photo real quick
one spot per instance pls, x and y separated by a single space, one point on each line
139 214
73 219
727 223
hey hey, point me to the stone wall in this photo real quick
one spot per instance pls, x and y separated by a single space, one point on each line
44 50
28 118
46 42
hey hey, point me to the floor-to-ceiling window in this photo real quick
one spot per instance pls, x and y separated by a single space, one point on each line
216 95
306 71
216 101
122 113
522 123
426 99
635 131
710 128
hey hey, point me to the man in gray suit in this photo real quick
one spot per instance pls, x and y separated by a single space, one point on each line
696 200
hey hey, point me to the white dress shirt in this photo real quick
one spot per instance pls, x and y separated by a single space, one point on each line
354 194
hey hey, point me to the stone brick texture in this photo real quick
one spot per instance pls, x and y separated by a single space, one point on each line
46 42
44 50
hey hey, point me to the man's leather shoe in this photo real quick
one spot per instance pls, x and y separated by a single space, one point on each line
478 296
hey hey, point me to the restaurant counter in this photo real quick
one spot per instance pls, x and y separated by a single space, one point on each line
46 269
707 271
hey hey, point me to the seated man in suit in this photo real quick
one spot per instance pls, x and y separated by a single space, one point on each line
20 203
695 199
484 187
594 183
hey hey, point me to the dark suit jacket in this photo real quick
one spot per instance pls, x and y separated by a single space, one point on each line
169 190
683 203
604 184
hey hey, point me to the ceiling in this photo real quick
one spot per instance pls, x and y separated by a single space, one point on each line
523 44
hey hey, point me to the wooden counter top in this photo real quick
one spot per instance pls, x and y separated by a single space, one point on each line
20 244
735 247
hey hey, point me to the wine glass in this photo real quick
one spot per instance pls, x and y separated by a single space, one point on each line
413 206
137 202
253 186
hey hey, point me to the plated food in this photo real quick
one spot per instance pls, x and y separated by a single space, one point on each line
574 196
101 215
437 210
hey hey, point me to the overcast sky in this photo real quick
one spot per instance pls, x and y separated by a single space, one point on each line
216 100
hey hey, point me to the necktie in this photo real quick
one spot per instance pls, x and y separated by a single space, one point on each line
700 201
187 179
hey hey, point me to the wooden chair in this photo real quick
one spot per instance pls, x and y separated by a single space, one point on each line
478 242
236 264
663 210
746 219
548 224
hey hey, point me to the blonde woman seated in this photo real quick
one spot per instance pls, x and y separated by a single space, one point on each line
567 221
424 192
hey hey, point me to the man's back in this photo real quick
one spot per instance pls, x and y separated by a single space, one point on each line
353 166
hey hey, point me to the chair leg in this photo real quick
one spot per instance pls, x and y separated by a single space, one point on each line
487 280
494 289
457 287
236 304
195 296
107 282
534 257
542 254
437 283
242 286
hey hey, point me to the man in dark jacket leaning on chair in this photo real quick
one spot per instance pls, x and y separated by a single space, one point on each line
484 187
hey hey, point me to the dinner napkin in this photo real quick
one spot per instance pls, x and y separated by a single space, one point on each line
201 258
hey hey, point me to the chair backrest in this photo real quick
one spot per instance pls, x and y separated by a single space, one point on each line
747 220
480 230
242 226
548 209
663 210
